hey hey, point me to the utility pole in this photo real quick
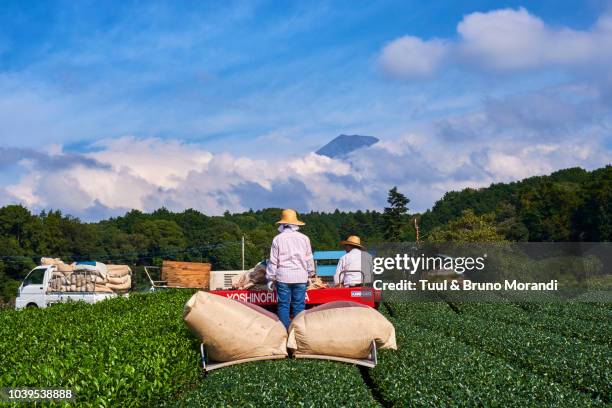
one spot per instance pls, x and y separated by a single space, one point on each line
416 227
243 252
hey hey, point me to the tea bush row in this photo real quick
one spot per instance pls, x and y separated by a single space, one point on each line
431 369
588 330
281 383
581 365
120 352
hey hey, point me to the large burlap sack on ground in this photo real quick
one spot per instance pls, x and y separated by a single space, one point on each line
342 329
233 330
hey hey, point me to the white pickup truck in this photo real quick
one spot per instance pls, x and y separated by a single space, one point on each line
33 292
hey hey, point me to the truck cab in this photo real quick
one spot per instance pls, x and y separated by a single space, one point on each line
33 288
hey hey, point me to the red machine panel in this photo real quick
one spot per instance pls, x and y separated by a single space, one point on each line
359 294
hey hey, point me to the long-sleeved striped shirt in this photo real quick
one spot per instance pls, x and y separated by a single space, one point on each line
290 258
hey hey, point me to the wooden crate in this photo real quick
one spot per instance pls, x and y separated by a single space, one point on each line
186 274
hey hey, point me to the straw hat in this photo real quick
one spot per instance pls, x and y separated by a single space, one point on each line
353 240
289 216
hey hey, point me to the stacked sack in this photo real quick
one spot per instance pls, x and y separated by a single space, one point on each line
119 277
88 277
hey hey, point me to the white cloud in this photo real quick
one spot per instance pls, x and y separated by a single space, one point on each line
163 163
149 173
503 40
410 56
515 39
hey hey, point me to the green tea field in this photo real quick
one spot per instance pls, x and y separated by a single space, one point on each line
138 352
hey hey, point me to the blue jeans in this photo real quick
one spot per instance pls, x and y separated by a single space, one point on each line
290 294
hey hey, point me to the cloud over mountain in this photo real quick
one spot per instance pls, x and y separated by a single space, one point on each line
146 174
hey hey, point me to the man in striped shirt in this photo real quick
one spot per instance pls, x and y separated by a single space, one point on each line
290 265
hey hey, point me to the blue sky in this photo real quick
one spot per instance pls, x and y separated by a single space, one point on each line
255 83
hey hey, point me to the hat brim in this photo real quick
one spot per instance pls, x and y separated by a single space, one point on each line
352 244
291 222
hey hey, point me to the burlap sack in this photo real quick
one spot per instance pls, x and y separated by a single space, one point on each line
342 329
99 269
250 278
118 281
121 286
118 271
50 261
54 284
99 280
234 330
102 288
65 268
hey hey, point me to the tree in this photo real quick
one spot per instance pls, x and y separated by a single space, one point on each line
165 238
509 224
17 221
395 217
228 256
468 228
593 218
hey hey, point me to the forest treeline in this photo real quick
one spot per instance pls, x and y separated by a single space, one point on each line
568 205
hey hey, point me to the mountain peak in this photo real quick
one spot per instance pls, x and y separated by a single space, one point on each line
345 144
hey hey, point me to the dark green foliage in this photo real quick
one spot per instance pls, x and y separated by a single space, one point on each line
568 205
593 218
568 361
431 369
593 312
599 331
137 352
120 352
284 383
467 228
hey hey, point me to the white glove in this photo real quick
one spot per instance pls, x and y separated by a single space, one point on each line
271 285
